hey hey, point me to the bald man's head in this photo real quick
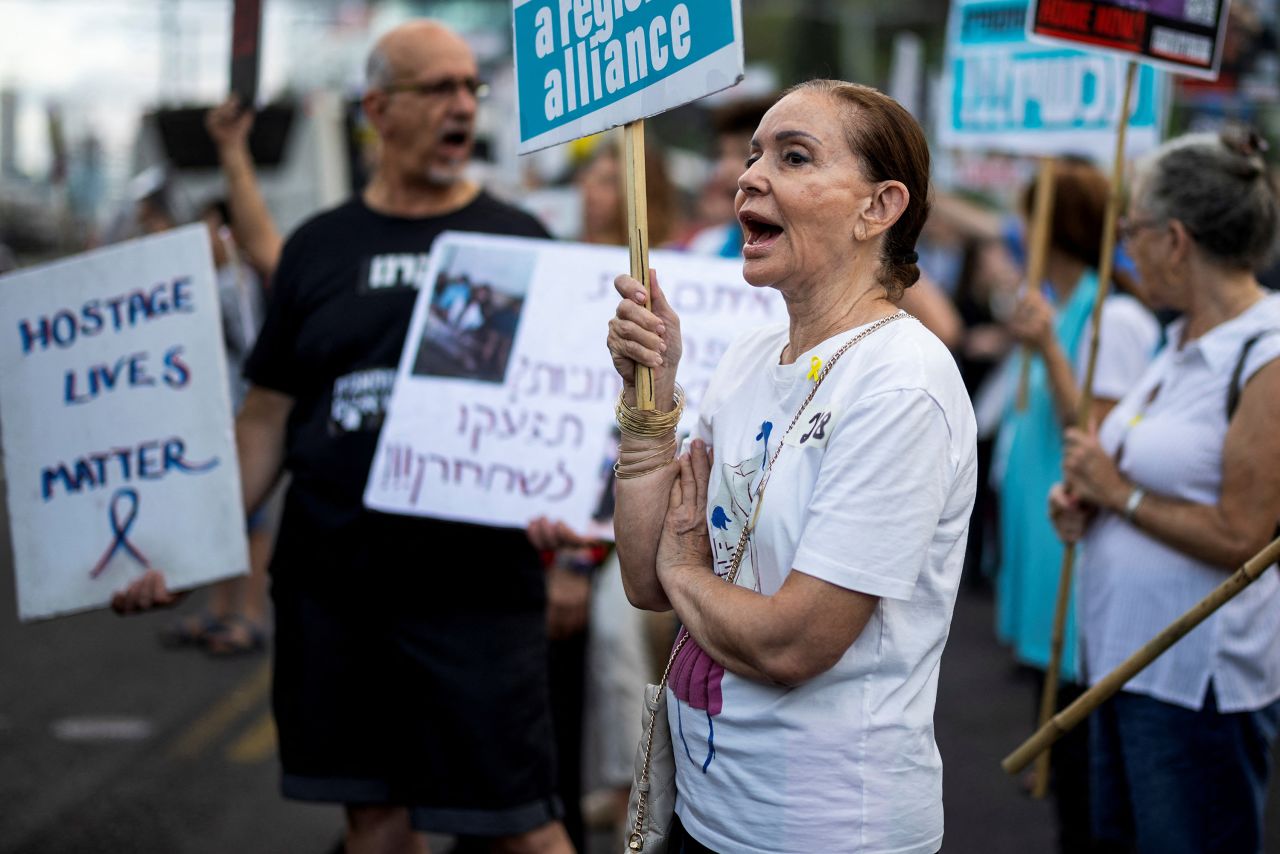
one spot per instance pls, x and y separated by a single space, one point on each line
421 99
404 46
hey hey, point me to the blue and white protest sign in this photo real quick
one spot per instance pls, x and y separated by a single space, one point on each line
115 417
503 405
584 66
1010 95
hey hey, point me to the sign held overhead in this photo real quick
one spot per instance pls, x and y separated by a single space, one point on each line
1014 96
1184 36
584 66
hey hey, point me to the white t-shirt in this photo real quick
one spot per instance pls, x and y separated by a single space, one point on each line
872 493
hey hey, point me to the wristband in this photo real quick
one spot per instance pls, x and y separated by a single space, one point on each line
1131 505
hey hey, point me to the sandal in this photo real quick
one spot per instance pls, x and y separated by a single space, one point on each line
236 636
191 630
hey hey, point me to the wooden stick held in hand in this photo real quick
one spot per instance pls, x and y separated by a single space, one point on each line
1070 717
638 236
1038 232
1049 699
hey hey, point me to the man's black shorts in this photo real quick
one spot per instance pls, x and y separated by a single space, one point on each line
377 702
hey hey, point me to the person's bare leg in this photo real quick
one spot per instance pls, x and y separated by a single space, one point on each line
382 830
223 597
244 601
550 838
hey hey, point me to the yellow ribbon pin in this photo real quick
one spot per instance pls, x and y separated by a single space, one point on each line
815 365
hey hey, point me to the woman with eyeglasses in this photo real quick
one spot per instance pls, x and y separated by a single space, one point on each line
1053 324
1180 485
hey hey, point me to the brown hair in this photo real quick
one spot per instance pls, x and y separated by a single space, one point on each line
1080 192
892 147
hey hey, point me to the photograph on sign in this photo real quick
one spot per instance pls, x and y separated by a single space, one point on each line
115 417
1013 96
1183 36
536 437
476 303
583 67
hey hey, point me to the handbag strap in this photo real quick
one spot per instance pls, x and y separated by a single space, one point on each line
636 839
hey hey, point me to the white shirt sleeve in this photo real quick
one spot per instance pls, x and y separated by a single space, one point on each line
1126 346
884 481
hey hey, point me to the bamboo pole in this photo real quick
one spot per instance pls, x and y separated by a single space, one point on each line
1049 698
1070 717
1038 232
638 236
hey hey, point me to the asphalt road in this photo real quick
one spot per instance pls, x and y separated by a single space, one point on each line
110 744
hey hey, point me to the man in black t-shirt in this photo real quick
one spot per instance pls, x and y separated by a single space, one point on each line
410 654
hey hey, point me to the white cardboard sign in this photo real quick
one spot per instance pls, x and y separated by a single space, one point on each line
584 66
116 423
502 409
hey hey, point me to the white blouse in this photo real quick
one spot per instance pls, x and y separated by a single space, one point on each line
1131 585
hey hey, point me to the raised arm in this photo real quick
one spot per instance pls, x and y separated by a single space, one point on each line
645 470
251 223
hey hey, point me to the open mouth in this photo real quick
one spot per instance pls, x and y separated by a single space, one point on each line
455 139
759 231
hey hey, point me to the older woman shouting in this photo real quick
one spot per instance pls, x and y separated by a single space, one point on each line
1180 486
812 538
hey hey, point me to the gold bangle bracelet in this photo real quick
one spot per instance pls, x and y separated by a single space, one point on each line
627 475
658 452
648 423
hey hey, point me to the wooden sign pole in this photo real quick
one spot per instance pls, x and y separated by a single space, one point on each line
1049 698
638 236
1108 686
1038 232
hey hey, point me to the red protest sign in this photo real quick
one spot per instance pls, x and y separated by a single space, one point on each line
1183 36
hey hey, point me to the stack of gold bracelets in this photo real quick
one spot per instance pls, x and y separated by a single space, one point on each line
647 424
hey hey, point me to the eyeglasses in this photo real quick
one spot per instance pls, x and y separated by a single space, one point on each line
1127 229
445 88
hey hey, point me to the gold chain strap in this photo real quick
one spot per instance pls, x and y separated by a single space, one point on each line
636 841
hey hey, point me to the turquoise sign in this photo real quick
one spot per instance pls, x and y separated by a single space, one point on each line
576 59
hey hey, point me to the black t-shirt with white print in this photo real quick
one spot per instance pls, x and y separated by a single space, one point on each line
341 302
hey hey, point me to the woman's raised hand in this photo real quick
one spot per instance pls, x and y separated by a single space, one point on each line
640 336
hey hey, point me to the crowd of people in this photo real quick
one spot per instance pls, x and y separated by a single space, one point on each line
914 420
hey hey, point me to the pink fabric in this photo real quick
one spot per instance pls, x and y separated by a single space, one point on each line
695 679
